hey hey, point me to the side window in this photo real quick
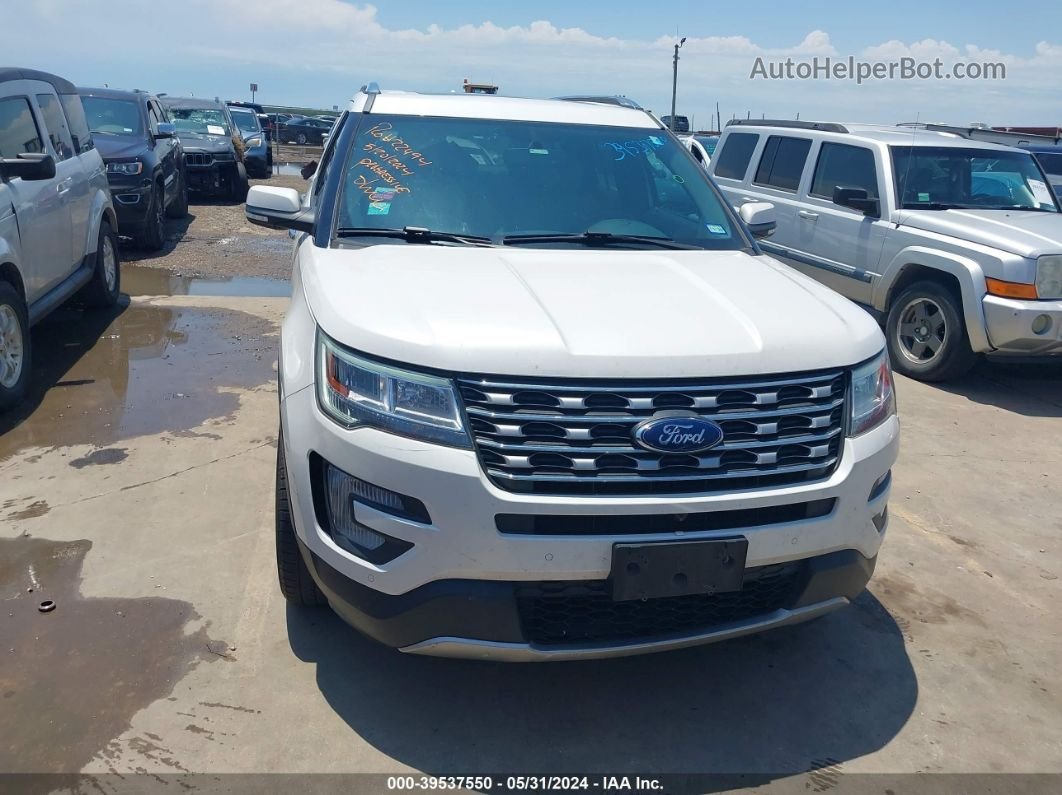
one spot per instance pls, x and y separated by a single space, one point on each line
782 162
18 130
55 122
326 160
78 124
153 118
847 166
733 159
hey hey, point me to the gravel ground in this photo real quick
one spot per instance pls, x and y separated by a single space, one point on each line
215 240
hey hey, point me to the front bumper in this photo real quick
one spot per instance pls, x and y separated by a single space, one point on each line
217 177
497 620
1010 326
463 555
132 204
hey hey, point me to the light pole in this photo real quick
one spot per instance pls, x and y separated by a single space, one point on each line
674 83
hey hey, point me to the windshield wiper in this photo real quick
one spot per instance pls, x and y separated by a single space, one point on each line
938 206
596 239
415 234
1024 207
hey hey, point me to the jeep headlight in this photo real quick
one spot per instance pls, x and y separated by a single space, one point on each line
358 392
873 400
254 142
126 169
1049 276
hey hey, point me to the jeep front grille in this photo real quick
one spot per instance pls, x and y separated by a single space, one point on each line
198 159
575 437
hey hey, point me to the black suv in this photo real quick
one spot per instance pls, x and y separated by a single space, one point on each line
213 163
145 161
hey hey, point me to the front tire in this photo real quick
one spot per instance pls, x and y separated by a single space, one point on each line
301 138
154 235
240 186
926 334
103 289
179 206
296 583
15 347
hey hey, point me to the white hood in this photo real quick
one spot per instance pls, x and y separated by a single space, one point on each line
1025 233
582 313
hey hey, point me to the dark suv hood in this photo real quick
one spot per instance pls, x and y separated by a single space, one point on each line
119 147
193 142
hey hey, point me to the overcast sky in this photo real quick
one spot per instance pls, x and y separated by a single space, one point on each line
317 52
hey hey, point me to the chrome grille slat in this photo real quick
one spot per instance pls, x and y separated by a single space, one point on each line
540 436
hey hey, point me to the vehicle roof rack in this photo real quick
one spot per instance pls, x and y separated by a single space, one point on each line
823 126
373 90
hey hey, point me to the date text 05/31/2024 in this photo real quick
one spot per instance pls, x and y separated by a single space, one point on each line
525 783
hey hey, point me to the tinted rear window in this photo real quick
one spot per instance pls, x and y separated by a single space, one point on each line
782 162
733 160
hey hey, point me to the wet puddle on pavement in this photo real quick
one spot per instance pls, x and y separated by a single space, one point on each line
144 281
72 678
99 377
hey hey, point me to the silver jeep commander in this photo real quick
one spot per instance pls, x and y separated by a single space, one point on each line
957 243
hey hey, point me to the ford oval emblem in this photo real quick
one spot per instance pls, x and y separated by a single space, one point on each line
681 434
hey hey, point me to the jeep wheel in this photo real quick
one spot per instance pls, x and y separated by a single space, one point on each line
301 139
926 334
239 187
154 235
296 583
14 347
105 286
179 206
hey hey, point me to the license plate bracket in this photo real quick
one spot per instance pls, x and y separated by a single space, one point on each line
677 568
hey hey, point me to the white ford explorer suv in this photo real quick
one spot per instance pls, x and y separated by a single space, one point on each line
542 396
57 222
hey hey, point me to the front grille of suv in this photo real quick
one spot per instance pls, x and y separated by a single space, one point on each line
572 613
575 437
198 159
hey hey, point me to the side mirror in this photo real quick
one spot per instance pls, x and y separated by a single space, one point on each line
278 208
166 130
28 167
324 140
857 199
759 217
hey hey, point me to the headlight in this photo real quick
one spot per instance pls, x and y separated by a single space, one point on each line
253 142
355 391
1049 276
128 169
873 400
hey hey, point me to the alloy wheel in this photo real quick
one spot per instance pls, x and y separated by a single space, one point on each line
922 331
12 347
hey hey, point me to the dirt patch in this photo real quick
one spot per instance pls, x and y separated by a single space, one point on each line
107 455
31 511
216 241
102 377
73 678
904 598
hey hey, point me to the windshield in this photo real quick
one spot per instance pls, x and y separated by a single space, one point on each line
495 179
709 142
245 121
205 121
113 116
944 178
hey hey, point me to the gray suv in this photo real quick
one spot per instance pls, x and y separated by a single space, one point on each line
58 231
957 244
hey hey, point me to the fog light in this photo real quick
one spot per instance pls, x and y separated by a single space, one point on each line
1041 324
346 530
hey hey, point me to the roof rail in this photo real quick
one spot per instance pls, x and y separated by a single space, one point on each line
824 126
371 88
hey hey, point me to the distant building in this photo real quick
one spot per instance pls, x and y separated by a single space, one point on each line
479 88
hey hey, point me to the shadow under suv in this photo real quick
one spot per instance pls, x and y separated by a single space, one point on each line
144 159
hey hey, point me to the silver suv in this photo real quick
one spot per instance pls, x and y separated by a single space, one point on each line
956 243
57 222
